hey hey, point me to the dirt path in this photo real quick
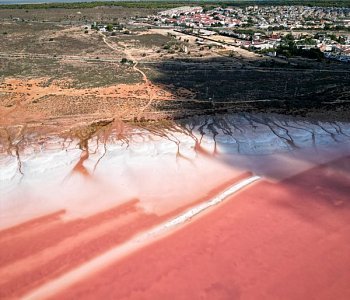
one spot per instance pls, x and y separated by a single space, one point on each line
147 82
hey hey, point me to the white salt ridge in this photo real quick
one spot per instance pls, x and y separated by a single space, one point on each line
218 199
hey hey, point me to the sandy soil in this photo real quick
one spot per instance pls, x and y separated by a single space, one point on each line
25 101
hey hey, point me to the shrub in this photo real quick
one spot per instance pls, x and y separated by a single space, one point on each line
109 27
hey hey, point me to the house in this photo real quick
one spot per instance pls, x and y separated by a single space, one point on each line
261 46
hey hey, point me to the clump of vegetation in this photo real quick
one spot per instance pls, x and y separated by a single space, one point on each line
290 47
175 45
109 27
232 54
126 61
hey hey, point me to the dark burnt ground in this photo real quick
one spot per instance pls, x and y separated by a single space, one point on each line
319 89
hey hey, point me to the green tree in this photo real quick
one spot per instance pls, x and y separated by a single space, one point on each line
109 27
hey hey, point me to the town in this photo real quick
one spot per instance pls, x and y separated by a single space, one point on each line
283 31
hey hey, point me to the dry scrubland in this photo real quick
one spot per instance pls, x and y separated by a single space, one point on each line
99 14
54 69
